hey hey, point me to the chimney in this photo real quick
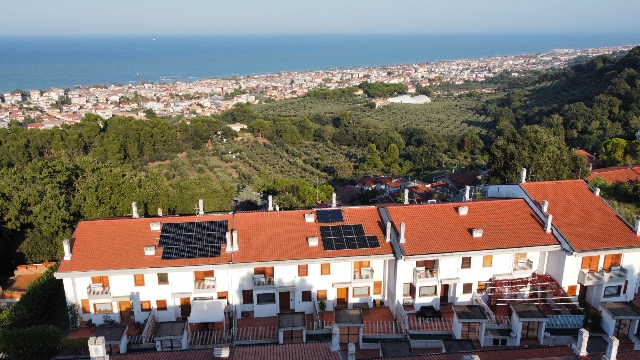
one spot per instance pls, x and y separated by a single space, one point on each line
229 244
270 208
309 218
234 237
547 225
388 235
333 200
402 230
351 352
200 207
155 226
97 348
612 348
463 210
221 352
476 233
406 196
67 248
312 240
580 348
596 191
467 190
590 167
545 206
150 250
523 175
134 209
159 212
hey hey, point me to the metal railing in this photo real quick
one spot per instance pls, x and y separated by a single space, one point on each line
208 338
98 290
140 339
523 265
363 274
435 325
422 273
263 281
261 333
602 277
206 284
383 328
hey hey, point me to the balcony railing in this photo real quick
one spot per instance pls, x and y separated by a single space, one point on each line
364 274
422 275
616 275
523 265
261 281
206 285
97 291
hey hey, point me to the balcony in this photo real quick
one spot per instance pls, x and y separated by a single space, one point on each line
364 275
425 276
260 281
616 275
523 267
97 291
207 285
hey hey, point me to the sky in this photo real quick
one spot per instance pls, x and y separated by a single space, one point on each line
148 17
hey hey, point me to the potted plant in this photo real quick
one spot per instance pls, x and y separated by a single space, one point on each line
90 324
322 306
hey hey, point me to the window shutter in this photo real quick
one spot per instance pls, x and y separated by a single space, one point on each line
302 270
611 260
247 296
161 304
199 275
624 289
138 279
572 290
96 279
487 261
105 281
412 290
85 306
306 295
377 287
209 273
258 271
429 264
321 294
268 272
223 295
325 269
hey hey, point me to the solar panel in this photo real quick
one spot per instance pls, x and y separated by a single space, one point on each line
323 216
192 239
342 237
373 242
336 215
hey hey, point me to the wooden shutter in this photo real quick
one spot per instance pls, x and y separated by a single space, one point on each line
467 288
96 279
268 272
520 256
624 289
357 265
145 305
572 290
258 271
590 262
427 264
303 270
377 287
466 263
321 294
247 296
138 279
482 287
306 295
161 304
85 306
105 281
487 261
412 290
325 269
611 260
223 295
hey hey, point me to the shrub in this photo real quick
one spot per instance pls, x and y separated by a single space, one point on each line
33 343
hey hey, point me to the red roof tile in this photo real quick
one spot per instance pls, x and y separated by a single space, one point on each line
617 174
538 353
585 219
437 228
206 354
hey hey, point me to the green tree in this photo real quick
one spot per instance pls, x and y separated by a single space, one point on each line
614 152
372 163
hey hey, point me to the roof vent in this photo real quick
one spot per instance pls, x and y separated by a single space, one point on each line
476 233
221 352
150 250
431 201
545 206
463 210
309 218
155 226
547 225
636 229
312 240
596 191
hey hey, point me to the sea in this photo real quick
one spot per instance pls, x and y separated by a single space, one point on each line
43 62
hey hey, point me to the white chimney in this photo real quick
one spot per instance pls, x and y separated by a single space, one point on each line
150 250
333 200
309 218
97 348
636 229
406 196
270 208
159 212
352 352
312 240
596 191
155 226
523 175
545 206
134 209
67 248
463 210
612 348
388 235
547 225
277 207
229 244
580 348
221 352
476 233
590 167
200 207
467 190
234 237
402 230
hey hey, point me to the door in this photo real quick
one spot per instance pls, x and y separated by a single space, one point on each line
125 310
444 294
582 295
185 307
285 298
342 296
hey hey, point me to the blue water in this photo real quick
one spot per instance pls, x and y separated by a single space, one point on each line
44 62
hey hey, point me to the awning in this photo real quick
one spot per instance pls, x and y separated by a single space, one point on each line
203 311
341 284
181 295
121 298
450 281
286 288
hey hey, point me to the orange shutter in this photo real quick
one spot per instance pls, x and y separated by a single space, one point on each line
224 295
258 271
138 280
302 270
377 287
325 269
590 262
199 275
85 306
626 283
209 274
96 279
322 294
572 290
611 260
268 272
487 261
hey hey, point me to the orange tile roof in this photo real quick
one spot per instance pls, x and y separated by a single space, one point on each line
617 174
114 244
437 228
585 219
282 235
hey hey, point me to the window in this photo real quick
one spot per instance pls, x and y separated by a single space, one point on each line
427 291
303 270
266 271
268 298
611 260
306 295
145 305
103 308
247 297
499 342
572 290
161 304
427 264
200 275
466 263
224 295
357 265
85 306
138 280
590 263
612 291
321 294
487 261
102 280
163 278
406 289
482 287
377 287
325 269
361 291
467 288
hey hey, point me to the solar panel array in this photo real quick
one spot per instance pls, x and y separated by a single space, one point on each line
329 216
343 237
192 239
